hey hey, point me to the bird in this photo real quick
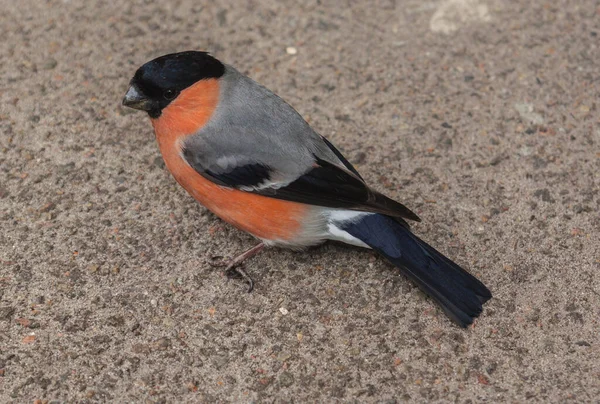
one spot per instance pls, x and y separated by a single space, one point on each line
249 157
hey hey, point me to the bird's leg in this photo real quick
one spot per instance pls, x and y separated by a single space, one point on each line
234 267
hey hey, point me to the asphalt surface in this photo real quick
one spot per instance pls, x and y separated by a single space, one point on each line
482 116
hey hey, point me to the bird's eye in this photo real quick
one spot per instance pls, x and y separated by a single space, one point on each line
169 94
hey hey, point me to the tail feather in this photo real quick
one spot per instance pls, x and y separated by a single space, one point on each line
459 293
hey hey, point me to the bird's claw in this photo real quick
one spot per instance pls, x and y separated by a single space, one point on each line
238 272
234 266
219 261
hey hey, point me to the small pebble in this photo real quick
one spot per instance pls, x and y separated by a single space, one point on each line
50 64
153 302
283 311
286 379
290 50
525 151
163 343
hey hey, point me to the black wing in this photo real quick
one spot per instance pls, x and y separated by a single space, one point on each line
240 176
250 175
325 185
330 186
341 157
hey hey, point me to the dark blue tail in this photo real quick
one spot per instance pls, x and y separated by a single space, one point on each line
459 293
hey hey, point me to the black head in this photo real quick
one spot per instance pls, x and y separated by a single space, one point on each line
160 81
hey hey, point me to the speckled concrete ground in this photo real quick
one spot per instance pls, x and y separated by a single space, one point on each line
482 116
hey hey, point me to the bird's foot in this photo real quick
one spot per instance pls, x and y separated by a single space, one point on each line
234 267
219 261
238 272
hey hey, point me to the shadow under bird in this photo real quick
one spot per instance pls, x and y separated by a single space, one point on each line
249 157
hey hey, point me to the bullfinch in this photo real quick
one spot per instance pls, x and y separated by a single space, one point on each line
250 158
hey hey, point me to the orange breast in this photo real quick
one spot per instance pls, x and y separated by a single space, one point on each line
266 218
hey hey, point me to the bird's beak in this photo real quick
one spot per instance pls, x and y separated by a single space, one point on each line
136 99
